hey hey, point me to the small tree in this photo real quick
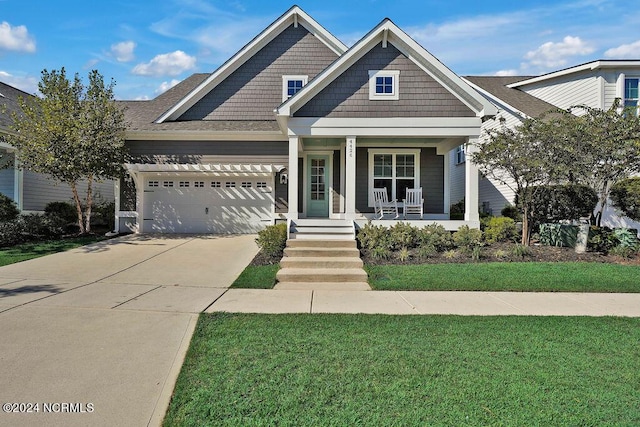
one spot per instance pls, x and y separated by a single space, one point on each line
520 159
72 133
625 196
599 147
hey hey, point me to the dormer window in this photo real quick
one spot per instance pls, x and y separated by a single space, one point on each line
292 85
384 85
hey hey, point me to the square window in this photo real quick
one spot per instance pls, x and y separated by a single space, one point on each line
246 185
395 171
184 184
384 85
215 184
167 184
261 184
154 184
292 85
198 184
230 184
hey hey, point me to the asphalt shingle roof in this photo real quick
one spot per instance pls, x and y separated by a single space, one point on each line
497 86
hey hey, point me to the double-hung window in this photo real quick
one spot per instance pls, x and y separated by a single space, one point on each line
395 170
292 85
631 97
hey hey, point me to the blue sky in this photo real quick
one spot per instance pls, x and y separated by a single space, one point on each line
148 46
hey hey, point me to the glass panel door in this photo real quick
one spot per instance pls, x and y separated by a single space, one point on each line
317 188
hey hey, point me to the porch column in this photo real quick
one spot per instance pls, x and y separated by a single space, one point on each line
350 178
471 187
116 199
292 170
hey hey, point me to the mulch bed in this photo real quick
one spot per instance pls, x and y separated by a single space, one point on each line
496 252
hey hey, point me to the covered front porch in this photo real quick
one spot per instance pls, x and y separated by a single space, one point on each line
333 177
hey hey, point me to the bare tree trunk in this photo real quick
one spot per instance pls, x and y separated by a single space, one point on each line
89 204
76 199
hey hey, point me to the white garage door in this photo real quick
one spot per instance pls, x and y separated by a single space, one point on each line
212 205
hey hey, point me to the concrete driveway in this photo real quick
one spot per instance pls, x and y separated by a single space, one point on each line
97 335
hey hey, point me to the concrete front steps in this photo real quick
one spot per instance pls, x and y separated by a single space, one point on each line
322 264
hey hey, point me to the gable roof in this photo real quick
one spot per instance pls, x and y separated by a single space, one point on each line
498 88
388 32
9 104
587 66
294 16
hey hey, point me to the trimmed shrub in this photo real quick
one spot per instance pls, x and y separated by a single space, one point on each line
553 203
625 196
272 240
402 235
512 212
500 229
104 213
467 238
8 209
434 235
374 236
63 211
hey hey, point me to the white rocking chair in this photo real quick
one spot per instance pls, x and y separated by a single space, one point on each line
383 206
414 203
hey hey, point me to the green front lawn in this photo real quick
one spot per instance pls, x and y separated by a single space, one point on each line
32 250
257 277
507 276
374 370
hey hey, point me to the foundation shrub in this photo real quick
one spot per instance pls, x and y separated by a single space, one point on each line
500 229
272 240
8 209
403 235
467 238
435 236
374 236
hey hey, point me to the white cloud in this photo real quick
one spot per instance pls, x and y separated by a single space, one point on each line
506 73
552 54
90 63
167 64
26 83
624 51
123 51
16 38
165 86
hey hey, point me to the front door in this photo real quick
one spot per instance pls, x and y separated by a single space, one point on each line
317 186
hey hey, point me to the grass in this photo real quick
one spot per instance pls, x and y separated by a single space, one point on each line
26 251
503 276
257 277
366 370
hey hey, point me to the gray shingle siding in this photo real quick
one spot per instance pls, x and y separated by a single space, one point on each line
38 190
254 90
420 94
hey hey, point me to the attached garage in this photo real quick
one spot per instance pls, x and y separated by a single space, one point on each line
228 201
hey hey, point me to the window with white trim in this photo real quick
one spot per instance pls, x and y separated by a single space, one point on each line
216 184
292 85
631 96
167 184
230 184
154 184
395 170
460 155
184 184
384 85
246 184
198 184
261 184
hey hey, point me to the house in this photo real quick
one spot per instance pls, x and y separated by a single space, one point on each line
30 191
595 84
296 125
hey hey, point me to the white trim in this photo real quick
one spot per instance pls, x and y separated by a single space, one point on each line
213 169
395 82
350 176
391 127
343 162
370 166
293 15
589 66
204 135
305 183
285 84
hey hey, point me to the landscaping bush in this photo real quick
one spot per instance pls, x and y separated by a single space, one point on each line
63 211
272 240
8 209
434 235
104 213
374 236
27 228
625 196
620 241
467 238
402 235
512 212
500 229
456 210
553 203
601 239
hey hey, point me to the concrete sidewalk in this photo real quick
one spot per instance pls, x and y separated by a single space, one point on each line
411 302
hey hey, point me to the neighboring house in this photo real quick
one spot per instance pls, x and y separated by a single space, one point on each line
595 84
295 125
29 190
